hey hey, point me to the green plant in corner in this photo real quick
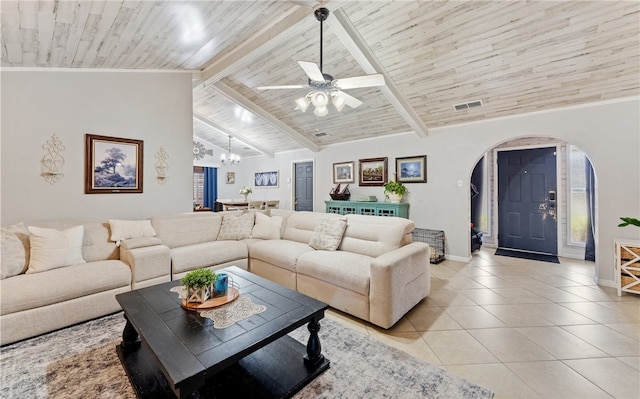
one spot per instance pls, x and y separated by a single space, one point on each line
629 221
199 278
395 187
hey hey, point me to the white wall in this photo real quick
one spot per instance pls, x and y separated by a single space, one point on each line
157 108
608 133
154 107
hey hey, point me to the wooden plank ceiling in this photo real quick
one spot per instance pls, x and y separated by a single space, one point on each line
515 56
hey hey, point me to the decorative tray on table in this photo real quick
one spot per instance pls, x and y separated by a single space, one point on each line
232 294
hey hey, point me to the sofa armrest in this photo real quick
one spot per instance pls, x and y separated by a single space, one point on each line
149 264
399 280
139 242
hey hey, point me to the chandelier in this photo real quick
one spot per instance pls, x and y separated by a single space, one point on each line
229 158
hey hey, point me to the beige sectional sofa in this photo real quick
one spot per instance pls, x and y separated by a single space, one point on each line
32 303
371 268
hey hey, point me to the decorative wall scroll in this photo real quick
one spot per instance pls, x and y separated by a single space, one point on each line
162 166
52 161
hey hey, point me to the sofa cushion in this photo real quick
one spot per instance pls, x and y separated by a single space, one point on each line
374 235
236 226
206 254
301 225
344 269
14 251
123 229
52 248
267 227
328 232
282 253
30 291
187 228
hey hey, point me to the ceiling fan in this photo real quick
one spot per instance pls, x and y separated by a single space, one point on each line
325 87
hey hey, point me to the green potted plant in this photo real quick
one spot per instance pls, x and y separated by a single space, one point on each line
629 221
200 285
394 190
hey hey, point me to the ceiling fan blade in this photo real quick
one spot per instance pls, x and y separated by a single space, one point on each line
282 87
359 81
312 70
349 100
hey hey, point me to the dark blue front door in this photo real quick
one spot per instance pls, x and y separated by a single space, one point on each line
527 200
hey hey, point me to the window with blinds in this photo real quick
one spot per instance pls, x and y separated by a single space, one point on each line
198 185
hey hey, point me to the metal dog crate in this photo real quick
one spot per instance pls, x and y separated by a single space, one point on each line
435 239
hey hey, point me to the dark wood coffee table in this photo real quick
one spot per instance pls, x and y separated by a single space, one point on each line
168 351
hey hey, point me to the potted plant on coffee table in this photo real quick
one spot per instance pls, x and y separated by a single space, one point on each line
200 285
394 190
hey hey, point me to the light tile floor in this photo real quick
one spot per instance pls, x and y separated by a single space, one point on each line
523 329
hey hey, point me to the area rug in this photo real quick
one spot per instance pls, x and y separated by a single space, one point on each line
81 361
527 255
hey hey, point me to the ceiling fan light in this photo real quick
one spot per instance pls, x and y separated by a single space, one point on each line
320 99
338 102
321 111
302 103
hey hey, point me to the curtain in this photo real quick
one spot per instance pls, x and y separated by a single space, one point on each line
590 191
210 187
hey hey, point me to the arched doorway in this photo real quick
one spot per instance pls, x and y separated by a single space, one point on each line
576 203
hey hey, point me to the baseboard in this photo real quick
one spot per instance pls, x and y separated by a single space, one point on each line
458 258
606 283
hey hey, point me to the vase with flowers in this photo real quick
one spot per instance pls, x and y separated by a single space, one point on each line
245 191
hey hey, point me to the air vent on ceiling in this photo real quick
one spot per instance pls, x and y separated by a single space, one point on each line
320 134
469 105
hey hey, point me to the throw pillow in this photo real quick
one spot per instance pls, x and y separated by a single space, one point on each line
267 228
52 248
123 229
328 233
236 225
14 252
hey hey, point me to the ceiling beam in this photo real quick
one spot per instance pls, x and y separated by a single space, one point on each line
260 42
236 136
266 116
346 32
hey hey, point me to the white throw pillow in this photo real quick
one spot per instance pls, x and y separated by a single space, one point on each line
236 225
328 233
123 229
14 251
267 228
52 248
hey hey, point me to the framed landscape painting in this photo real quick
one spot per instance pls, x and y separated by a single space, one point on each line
113 165
373 171
411 169
266 179
343 172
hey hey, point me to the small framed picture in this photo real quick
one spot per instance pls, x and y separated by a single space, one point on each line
231 177
412 169
373 171
113 165
266 179
343 172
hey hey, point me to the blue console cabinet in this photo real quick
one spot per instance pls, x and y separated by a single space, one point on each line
368 208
